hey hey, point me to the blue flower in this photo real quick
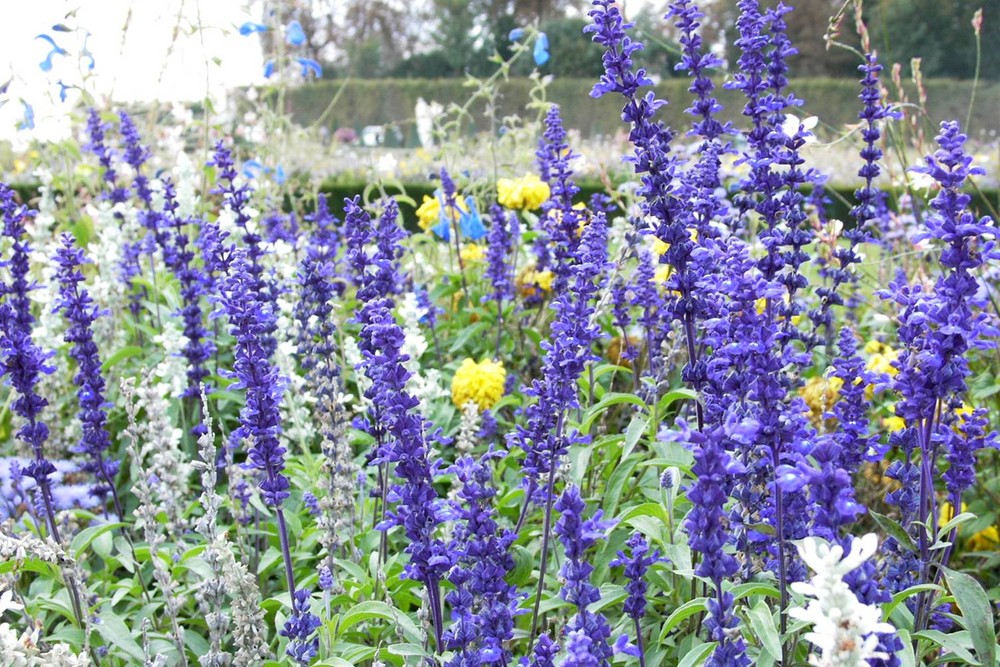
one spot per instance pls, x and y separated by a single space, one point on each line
310 66
516 34
252 169
62 90
294 34
541 51
81 312
29 117
56 50
279 175
269 68
470 222
85 52
250 28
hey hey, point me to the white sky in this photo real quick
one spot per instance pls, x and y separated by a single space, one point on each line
143 49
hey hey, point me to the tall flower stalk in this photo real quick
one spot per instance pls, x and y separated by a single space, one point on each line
81 312
938 328
251 318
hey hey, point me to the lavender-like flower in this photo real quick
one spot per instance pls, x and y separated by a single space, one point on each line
81 312
636 564
560 221
180 260
715 472
260 418
135 155
483 603
869 198
937 330
402 436
300 629
250 318
96 129
23 361
578 535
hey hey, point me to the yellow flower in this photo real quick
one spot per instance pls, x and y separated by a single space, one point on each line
530 281
947 512
429 213
988 539
820 394
472 252
527 192
480 383
893 423
661 275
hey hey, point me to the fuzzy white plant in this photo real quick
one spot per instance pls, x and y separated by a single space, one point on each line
21 649
425 383
844 630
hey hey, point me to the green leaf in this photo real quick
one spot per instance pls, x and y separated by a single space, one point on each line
523 564
891 528
654 510
632 434
366 611
956 643
976 612
409 650
674 395
697 655
610 399
616 485
117 635
121 355
954 523
685 611
888 607
762 623
754 588
85 537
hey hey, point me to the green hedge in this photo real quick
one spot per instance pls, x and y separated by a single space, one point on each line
839 199
387 101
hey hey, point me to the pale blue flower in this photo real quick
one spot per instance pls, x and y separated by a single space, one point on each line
250 28
541 52
310 66
295 35
46 65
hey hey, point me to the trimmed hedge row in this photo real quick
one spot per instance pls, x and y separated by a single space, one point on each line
839 199
392 101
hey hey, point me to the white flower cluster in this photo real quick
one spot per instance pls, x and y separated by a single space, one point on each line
845 631
22 650
425 385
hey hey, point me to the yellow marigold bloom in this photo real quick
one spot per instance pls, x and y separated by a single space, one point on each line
527 192
820 394
472 252
480 383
